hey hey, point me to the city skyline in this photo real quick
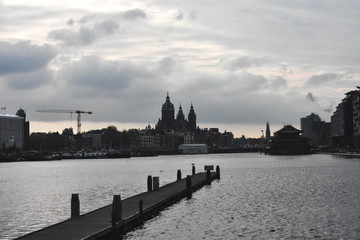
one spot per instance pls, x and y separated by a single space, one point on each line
240 64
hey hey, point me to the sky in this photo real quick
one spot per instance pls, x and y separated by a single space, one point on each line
240 63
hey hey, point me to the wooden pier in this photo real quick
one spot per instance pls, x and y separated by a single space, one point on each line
114 220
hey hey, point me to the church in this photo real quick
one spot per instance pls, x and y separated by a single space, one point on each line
168 121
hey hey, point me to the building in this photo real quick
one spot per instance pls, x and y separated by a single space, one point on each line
26 137
268 133
11 132
287 141
168 122
345 122
317 130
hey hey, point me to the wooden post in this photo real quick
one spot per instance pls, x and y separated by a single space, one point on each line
141 205
149 183
116 216
193 170
116 208
188 186
156 183
208 177
75 205
179 175
217 172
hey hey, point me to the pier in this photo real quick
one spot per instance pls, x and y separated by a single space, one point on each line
122 216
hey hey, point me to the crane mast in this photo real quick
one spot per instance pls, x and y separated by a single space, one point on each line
78 112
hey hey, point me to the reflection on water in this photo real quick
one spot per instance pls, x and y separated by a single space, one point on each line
259 197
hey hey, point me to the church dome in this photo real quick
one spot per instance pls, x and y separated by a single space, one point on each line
168 105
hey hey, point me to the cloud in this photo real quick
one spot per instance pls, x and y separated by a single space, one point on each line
193 14
180 16
24 57
133 14
322 79
245 62
70 22
84 36
277 83
29 80
100 76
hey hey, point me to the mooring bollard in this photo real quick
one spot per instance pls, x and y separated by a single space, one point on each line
156 183
188 186
217 172
75 205
208 177
179 175
149 183
193 170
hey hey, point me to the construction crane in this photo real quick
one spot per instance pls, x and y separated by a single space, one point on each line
78 112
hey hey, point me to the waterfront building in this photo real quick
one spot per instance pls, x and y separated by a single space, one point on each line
345 122
317 130
11 131
192 148
287 141
26 135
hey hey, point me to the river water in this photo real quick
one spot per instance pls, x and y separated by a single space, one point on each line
258 196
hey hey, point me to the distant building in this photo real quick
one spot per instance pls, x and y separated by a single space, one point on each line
26 136
345 122
11 131
268 133
287 141
168 121
317 130
192 148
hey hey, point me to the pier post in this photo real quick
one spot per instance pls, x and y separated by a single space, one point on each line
217 172
75 205
193 170
149 183
116 208
179 175
188 187
208 177
156 183
141 205
116 216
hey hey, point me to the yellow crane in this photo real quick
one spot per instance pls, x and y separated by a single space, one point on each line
78 112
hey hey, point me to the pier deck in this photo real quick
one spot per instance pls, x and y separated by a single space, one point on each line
97 224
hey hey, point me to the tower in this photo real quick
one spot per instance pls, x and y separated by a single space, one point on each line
268 135
180 115
26 127
167 111
192 118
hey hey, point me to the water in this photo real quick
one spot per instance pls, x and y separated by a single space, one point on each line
258 196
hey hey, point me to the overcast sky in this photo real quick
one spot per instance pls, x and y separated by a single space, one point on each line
241 63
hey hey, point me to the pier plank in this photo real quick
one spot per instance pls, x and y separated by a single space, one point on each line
86 225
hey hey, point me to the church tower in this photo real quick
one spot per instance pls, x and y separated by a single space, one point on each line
180 115
192 119
167 111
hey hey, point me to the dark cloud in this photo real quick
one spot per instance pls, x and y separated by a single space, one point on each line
29 80
84 36
322 79
133 14
102 75
24 57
